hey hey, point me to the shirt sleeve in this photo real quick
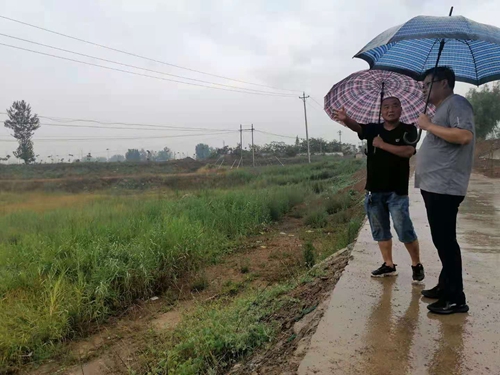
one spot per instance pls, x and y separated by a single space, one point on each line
461 115
367 131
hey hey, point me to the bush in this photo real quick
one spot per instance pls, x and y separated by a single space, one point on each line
316 219
339 202
308 253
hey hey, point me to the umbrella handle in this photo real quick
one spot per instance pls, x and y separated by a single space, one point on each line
410 142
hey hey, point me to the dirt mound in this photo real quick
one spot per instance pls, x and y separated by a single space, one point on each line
483 162
486 146
185 165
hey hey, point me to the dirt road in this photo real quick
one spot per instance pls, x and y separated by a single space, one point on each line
382 326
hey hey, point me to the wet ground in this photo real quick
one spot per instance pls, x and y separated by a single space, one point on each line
382 326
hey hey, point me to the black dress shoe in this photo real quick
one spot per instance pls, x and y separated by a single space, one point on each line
447 307
434 293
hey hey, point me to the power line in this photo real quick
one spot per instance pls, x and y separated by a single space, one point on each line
314 100
318 110
276 135
66 119
137 67
131 128
139 56
137 74
116 138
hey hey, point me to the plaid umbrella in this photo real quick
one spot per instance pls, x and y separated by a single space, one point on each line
361 94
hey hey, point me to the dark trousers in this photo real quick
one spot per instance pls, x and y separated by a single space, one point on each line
442 211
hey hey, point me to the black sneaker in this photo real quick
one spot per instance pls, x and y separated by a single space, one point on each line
434 293
446 307
418 272
385 270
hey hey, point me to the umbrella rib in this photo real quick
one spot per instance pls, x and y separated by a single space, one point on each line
473 59
428 55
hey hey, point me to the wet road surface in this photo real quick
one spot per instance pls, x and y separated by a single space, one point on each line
382 326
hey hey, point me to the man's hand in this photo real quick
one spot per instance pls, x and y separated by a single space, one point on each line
378 142
424 122
340 114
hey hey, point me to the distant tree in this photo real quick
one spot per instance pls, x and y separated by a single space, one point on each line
23 124
334 146
202 151
143 154
291 151
164 155
117 158
133 155
297 142
226 150
100 159
486 104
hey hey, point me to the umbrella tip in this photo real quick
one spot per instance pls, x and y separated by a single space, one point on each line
451 11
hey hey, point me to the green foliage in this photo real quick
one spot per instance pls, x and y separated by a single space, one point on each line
316 218
64 269
486 104
200 284
23 124
203 151
213 338
133 155
338 202
309 255
163 155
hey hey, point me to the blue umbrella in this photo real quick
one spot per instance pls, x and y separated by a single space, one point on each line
470 48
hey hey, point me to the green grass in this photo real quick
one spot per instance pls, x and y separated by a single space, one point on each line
64 270
215 336
316 218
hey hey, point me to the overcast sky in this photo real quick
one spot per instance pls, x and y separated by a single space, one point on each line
289 44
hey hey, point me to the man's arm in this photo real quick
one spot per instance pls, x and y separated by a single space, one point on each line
341 115
461 119
452 135
353 125
401 151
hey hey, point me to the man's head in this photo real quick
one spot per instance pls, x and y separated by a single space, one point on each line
443 83
391 110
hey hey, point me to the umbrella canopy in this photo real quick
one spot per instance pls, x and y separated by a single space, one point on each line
360 95
471 49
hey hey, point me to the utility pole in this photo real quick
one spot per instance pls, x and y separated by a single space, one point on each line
108 154
241 144
253 150
340 137
304 97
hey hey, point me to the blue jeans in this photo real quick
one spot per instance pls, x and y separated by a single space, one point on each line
379 206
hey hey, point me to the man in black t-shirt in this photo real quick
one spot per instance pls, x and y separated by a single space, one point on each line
388 174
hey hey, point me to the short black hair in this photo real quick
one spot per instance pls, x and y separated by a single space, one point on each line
442 73
391 97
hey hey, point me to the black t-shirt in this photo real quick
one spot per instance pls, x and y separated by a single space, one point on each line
387 172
